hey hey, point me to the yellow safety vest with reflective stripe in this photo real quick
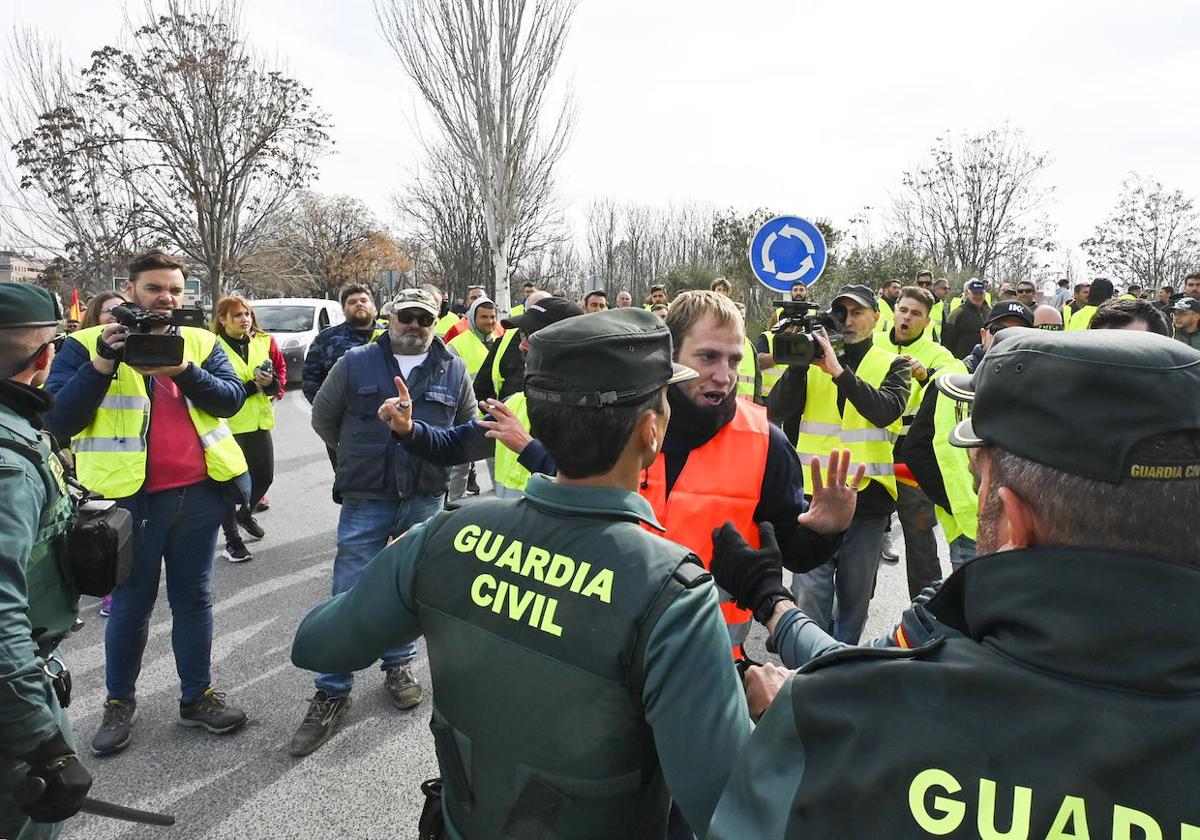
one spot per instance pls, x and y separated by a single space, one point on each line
519 309
509 471
110 454
470 349
822 429
497 376
926 351
886 315
774 373
1082 319
445 323
954 465
257 413
747 375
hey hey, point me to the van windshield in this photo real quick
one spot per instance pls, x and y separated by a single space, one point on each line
284 319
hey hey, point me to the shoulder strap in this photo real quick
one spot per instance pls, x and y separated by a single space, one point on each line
689 574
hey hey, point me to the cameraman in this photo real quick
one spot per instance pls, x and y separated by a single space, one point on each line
151 439
853 400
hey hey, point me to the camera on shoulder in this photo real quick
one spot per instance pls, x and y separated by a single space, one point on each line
794 343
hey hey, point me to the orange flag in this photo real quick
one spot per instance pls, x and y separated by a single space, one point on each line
74 314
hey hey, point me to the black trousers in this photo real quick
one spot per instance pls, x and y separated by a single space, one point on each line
259 449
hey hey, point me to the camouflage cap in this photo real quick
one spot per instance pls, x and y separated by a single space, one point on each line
412 299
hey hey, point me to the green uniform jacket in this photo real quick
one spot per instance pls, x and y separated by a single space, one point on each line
533 612
1046 694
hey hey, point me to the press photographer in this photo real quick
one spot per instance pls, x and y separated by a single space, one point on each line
845 394
146 431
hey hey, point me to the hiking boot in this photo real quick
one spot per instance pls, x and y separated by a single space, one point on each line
116 730
236 552
211 712
247 521
405 691
322 719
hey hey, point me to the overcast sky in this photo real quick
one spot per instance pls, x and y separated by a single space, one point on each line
811 108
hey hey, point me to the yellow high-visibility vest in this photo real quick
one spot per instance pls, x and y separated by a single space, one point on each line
1082 319
445 323
886 315
822 429
471 349
497 377
954 464
509 471
258 413
926 351
773 374
110 454
747 375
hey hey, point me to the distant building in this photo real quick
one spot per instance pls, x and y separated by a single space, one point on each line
16 268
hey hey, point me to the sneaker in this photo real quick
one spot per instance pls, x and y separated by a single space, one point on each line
323 717
250 524
106 606
210 711
405 691
888 553
236 552
264 505
116 730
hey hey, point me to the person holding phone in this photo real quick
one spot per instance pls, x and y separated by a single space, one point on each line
257 360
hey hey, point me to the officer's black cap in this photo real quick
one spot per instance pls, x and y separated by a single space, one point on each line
1007 308
608 358
22 305
545 312
1079 401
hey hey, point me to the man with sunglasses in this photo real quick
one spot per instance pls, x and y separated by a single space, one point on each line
385 491
1026 293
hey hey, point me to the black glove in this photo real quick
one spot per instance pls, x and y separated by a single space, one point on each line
57 783
754 577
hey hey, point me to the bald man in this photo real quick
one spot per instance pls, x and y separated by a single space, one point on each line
1047 318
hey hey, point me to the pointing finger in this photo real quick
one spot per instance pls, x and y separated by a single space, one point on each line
401 389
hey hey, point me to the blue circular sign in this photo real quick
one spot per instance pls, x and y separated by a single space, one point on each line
787 250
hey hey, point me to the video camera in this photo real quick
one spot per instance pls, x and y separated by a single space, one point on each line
799 348
146 349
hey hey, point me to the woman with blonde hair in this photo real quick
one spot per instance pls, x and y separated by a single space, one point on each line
257 360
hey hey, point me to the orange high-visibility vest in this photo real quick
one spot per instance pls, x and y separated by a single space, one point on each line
721 482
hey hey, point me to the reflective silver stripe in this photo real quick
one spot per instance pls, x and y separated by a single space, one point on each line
868 435
742 378
872 469
101 444
215 436
811 427
116 403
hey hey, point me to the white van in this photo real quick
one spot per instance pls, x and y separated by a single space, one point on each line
295 322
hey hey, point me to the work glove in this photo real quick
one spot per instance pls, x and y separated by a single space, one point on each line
57 783
753 576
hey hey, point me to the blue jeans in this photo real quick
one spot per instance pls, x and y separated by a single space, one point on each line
851 572
962 551
364 528
178 529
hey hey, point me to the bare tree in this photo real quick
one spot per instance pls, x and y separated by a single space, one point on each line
974 200
1151 237
603 238
484 67
211 140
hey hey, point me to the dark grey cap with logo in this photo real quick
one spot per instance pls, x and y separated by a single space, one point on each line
1079 401
608 358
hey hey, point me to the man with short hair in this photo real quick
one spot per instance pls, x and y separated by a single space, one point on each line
527 289
961 332
595 301
1165 295
1046 317
1129 314
564 709
1077 302
624 299
852 398
1185 315
473 346
1027 293
721 286
942 306
1191 285
658 295
1062 294
332 342
1066 629
889 293
38 604
799 291
474 293
155 440
385 491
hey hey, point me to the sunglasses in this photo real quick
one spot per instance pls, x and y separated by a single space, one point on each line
407 316
1024 291
926 284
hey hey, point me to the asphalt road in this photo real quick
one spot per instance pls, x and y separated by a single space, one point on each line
364 782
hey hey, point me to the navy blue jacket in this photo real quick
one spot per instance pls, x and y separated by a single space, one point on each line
371 463
469 442
78 388
329 346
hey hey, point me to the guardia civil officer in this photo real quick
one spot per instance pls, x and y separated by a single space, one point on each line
567 642
37 603
1051 687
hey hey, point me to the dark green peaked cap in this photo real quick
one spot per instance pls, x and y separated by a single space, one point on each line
22 305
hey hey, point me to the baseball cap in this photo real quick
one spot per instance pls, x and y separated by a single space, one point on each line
542 314
608 358
1079 401
412 299
974 285
22 305
1186 304
860 294
1006 308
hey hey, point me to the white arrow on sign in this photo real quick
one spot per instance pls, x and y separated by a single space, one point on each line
768 263
796 233
805 267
